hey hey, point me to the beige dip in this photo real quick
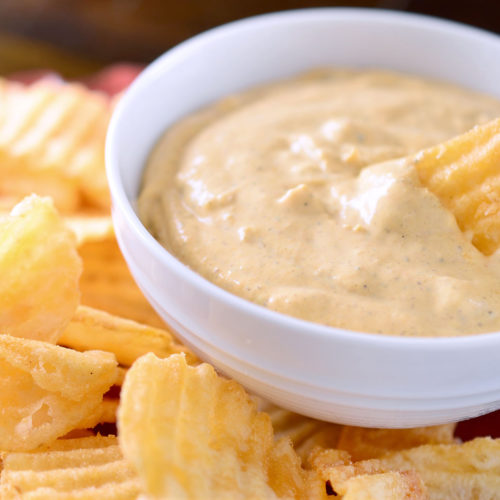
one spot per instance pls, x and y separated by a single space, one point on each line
279 196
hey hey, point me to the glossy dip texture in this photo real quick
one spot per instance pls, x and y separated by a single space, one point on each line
294 197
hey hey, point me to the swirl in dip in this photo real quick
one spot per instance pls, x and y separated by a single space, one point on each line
293 196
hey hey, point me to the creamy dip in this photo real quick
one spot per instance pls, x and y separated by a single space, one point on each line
293 196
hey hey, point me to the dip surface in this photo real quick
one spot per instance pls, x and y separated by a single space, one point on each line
293 196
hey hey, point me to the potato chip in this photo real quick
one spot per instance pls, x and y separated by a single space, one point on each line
90 227
57 459
64 192
125 490
469 470
305 433
40 269
105 413
463 172
120 375
52 140
64 444
405 485
316 488
336 468
108 410
87 468
87 163
91 329
193 434
365 480
323 460
107 284
20 107
363 443
286 423
47 390
325 436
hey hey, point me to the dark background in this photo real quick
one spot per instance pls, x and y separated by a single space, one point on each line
80 36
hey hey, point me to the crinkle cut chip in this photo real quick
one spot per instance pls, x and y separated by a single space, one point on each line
193 434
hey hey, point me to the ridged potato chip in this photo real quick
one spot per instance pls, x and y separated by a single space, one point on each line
463 172
368 480
40 269
88 468
64 192
193 434
405 485
65 444
324 436
105 413
87 161
463 471
120 376
52 142
107 284
468 470
47 390
128 340
88 227
305 433
363 443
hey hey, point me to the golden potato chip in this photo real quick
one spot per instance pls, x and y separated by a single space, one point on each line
316 488
305 433
87 468
40 269
86 226
463 172
52 140
286 423
468 470
87 163
64 444
120 375
91 329
90 227
105 413
323 459
363 443
64 192
193 434
57 459
125 490
364 480
325 436
109 410
335 467
20 107
405 485
107 284
47 390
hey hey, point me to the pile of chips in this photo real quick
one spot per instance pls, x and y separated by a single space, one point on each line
93 405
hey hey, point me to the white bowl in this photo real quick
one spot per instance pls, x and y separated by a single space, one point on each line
328 373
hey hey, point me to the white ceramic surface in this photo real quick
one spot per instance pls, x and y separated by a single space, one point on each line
333 374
